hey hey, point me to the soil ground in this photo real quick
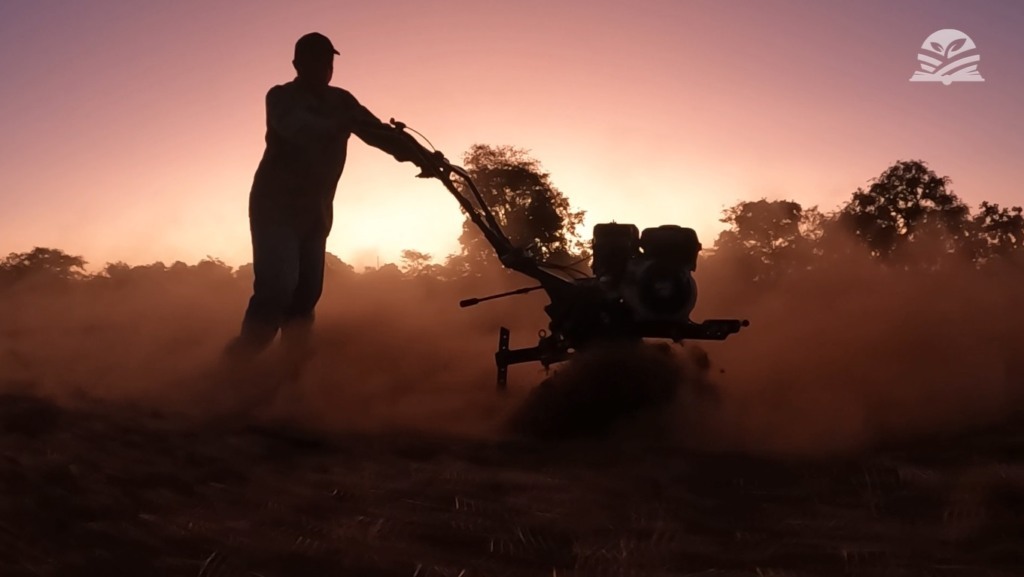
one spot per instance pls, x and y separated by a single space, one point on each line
102 490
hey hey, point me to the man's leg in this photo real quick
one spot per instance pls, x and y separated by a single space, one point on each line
276 265
298 322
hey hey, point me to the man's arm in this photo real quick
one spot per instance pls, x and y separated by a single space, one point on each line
380 135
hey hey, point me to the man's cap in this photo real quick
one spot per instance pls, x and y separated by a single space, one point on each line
314 45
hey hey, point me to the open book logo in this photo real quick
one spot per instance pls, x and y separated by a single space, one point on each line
948 56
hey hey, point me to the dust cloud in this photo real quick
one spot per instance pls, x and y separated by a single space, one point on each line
391 353
857 354
836 359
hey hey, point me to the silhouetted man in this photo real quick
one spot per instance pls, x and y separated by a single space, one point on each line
309 124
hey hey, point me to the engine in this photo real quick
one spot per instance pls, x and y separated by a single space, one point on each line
650 273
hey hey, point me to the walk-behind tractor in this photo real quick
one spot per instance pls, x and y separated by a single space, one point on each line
642 286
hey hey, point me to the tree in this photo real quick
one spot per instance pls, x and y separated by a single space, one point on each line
527 206
119 271
997 231
908 204
245 274
768 238
336 269
418 264
213 268
44 264
385 274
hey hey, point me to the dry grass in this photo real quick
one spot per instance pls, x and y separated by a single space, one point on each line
104 491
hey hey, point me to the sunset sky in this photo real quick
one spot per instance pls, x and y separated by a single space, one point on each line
131 129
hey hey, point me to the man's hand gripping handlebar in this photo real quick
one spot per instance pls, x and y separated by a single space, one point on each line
432 163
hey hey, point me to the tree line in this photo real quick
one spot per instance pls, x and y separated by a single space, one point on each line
908 218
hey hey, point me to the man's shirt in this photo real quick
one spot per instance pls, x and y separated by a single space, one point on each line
306 148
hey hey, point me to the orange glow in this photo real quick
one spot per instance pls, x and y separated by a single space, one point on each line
132 131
